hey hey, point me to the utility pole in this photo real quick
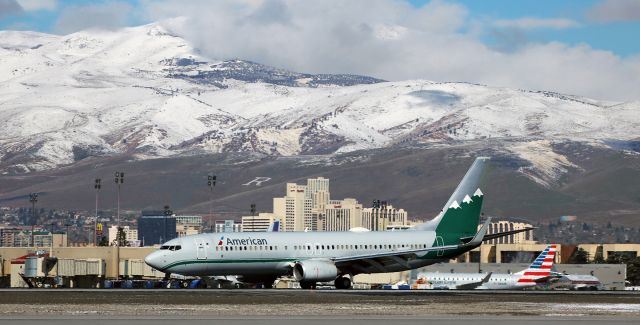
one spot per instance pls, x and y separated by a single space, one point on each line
33 198
97 187
211 182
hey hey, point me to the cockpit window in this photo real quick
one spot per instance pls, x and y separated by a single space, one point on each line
171 247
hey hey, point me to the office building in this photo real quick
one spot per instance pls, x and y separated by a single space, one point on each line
131 235
227 226
294 209
188 225
342 215
525 237
258 223
384 216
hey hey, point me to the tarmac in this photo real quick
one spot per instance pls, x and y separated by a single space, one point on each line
295 306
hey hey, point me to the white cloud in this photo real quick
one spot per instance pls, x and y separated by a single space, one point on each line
535 23
392 40
110 15
615 11
32 5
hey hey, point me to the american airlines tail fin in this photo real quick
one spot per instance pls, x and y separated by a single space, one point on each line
540 268
460 215
274 226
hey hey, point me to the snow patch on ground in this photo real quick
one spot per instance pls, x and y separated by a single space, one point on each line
547 166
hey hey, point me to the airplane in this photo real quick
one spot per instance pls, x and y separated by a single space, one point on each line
539 271
313 257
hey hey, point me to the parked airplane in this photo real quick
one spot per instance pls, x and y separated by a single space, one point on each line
313 257
539 271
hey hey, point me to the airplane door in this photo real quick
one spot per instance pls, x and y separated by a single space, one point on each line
201 251
440 243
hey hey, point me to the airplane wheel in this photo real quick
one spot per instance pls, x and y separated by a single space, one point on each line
307 285
343 282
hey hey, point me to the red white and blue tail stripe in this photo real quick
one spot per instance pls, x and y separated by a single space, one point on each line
540 268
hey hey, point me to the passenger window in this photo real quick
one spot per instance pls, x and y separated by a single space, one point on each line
333 247
226 248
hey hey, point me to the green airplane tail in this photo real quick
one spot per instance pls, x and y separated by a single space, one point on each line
460 216
461 219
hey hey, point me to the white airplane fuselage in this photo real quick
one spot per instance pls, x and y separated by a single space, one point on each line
273 253
496 281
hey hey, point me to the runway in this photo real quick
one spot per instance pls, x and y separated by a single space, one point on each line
447 320
281 306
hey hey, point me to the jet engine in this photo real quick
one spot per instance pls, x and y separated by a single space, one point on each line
315 271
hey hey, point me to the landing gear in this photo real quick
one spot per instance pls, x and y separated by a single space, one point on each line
307 285
343 282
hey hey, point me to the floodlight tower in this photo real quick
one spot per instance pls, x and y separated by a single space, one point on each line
97 187
33 198
211 182
253 215
119 180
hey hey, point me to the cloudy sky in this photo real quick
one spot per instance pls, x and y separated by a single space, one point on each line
582 47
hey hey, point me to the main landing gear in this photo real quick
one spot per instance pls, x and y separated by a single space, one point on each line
307 285
343 282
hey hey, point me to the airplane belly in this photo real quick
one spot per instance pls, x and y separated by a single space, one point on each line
249 268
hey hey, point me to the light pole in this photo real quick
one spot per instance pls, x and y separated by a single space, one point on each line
119 180
253 215
33 198
97 187
211 182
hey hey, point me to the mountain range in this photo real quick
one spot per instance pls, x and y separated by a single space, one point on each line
84 103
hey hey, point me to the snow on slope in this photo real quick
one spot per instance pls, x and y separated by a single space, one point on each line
144 91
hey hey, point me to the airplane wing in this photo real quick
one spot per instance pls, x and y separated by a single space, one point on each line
473 285
499 234
380 261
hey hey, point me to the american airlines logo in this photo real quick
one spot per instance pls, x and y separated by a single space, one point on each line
243 241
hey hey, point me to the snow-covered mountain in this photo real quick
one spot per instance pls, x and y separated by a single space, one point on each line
145 92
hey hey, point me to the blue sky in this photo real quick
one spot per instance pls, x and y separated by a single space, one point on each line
614 36
581 47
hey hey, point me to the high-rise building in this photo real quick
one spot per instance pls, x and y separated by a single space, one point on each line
342 215
155 230
294 209
383 216
318 192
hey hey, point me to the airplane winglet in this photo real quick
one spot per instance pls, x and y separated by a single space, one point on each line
479 237
486 278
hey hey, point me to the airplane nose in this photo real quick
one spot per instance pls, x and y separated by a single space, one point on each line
153 260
